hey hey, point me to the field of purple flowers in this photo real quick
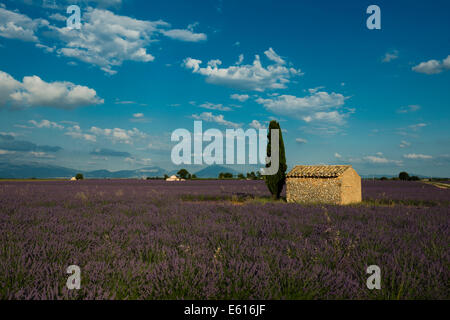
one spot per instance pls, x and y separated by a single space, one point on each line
219 240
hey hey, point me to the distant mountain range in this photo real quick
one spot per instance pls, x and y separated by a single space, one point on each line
213 171
138 173
41 171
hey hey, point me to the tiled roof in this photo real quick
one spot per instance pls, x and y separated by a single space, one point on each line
317 171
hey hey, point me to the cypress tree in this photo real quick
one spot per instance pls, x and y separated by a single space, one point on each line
276 182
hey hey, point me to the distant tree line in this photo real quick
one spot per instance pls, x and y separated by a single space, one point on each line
404 176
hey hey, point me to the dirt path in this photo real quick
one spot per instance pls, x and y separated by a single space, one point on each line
439 185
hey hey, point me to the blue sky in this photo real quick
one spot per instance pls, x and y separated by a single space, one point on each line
108 96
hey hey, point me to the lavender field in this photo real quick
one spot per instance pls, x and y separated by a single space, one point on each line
137 239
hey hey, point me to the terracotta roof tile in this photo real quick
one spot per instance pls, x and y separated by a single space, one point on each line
317 171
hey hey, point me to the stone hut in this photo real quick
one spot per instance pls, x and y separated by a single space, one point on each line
323 184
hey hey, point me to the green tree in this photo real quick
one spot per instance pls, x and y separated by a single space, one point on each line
252 175
240 176
79 176
403 175
184 174
276 181
225 175
193 176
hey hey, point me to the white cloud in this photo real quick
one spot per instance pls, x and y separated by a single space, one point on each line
41 155
404 144
219 119
14 25
375 159
134 161
257 125
124 102
138 115
429 67
13 134
301 140
245 77
432 66
187 34
315 107
240 59
8 85
140 119
192 64
118 134
214 63
184 35
272 55
57 17
212 106
380 160
314 90
240 97
337 155
79 135
34 92
105 38
417 126
46 124
410 108
76 133
446 62
417 156
332 117
391 55
145 161
45 48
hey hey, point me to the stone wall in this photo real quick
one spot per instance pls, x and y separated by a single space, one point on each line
314 190
351 187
